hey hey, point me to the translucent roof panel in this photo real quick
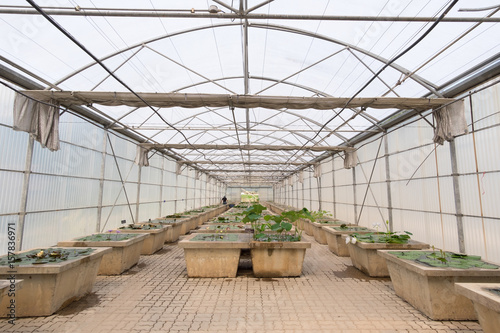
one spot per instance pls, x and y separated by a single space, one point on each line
215 49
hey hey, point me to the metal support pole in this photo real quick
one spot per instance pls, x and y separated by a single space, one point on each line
161 186
388 181
101 183
334 198
24 195
138 201
318 181
354 193
310 192
456 192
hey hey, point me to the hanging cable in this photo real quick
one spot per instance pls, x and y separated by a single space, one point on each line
382 69
81 46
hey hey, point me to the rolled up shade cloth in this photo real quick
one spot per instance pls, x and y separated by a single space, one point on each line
141 157
40 120
450 122
350 159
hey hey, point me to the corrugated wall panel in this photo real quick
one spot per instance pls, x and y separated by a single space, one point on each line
492 230
13 149
78 132
113 190
148 211
10 192
6 105
69 160
52 192
112 216
46 229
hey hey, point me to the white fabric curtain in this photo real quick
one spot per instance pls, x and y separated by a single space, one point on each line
40 120
317 170
350 159
178 168
450 122
141 156
301 177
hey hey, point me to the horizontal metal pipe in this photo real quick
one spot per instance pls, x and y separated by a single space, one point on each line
232 16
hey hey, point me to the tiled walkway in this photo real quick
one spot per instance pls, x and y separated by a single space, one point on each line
157 296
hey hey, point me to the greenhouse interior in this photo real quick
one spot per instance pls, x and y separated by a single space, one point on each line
249 166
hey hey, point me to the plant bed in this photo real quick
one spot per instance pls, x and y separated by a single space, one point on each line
278 259
319 233
176 224
431 289
363 252
156 235
213 255
486 300
125 254
333 235
52 278
224 228
277 249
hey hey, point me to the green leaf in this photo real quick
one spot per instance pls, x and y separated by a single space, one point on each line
287 226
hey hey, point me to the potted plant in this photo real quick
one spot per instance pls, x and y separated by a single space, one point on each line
276 250
213 254
52 278
333 235
363 249
426 279
126 249
486 300
156 235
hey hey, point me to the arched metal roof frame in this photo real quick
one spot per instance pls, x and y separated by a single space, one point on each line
429 86
426 84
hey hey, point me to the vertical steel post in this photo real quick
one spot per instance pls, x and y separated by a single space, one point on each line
101 183
24 195
456 193
334 198
354 194
139 172
388 181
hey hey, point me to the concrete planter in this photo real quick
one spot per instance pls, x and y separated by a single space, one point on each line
486 303
365 258
224 228
319 233
431 290
125 253
49 287
155 240
213 259
336 244
173 234
278 259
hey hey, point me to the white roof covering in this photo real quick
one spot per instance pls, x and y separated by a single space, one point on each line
284 48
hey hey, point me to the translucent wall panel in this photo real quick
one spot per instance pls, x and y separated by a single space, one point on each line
6 105
112 216
6 222
53 192
10 192
13 149
148 211
46 229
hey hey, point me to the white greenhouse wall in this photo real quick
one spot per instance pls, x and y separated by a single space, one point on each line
78 190
413 182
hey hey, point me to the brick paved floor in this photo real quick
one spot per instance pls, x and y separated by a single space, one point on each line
157 296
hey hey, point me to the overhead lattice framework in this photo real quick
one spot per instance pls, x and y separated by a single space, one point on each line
248 74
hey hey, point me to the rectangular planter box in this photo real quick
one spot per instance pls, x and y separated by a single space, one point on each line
124 255
486 303
173 234
319 233
278 259
155 240
431 290
213 259
231 228
335 242
52 286
365 258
